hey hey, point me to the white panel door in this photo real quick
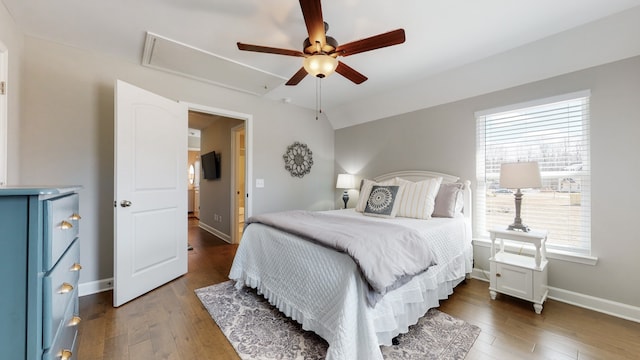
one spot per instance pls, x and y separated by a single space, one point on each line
4 114
150 229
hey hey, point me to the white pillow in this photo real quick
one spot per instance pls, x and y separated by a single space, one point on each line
365 191
418 198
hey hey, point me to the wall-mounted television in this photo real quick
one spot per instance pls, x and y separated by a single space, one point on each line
210 165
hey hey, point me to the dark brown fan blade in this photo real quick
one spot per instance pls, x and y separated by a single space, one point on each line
269 50
390 38
312 13
295 79
348 72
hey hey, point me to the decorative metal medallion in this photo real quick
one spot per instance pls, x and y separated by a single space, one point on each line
298 159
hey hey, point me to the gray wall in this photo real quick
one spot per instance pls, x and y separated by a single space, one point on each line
215 195
67 137
442 138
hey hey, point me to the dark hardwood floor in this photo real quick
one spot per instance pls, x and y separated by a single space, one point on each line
171 323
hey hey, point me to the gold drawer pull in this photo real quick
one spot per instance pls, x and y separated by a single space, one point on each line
75 216
66 354
75 321
76 267
65 288
65 225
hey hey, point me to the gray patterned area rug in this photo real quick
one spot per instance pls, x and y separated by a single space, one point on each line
258 330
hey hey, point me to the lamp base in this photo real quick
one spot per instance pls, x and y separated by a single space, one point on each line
519 227
517 221
345 198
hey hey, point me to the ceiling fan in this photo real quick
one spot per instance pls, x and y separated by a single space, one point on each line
321 51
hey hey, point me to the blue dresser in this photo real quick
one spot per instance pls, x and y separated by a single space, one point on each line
40 266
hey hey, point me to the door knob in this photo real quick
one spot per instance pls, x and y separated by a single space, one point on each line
125 203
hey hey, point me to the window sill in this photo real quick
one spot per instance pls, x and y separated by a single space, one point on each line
527 249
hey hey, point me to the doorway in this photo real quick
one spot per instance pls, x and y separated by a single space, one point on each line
225 202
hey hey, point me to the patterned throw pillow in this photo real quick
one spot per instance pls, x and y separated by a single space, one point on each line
382 201
365 191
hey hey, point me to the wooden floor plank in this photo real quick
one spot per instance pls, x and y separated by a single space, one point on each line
93 343
171 322
115 348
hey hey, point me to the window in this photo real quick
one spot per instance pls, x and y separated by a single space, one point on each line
555 133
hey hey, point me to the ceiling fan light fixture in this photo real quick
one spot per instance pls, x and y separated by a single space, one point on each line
320 65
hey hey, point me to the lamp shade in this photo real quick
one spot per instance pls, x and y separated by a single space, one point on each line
520 175
320 65
345 181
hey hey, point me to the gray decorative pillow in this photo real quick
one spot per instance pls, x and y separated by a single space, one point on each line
382 201
365 191
448 200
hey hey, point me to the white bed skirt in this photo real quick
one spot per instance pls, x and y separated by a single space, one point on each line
326 294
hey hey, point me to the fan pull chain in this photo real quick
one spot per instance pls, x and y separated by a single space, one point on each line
318 97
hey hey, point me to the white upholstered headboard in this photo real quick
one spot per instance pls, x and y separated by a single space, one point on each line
417 175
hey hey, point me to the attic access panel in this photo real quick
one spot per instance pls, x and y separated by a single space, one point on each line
168 55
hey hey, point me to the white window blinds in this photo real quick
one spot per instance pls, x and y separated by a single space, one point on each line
555 133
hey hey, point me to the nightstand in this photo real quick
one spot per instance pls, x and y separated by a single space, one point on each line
521 276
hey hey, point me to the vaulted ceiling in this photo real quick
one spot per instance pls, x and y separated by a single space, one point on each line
440 35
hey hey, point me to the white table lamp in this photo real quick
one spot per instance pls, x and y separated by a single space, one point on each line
520 175
346 182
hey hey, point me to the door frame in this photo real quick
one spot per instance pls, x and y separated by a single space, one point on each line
234 178
248 128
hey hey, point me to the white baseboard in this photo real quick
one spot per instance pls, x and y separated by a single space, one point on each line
215 232
94 287
605 306
609 307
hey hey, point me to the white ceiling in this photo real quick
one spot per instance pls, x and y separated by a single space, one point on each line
440 34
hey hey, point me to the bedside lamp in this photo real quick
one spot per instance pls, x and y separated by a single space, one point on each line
346 182
519 175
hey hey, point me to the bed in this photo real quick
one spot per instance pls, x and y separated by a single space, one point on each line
324 290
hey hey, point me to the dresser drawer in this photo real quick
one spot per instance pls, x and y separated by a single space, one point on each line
64 343
61 227
59 290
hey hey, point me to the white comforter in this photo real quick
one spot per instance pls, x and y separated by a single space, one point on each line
387 255
323 290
